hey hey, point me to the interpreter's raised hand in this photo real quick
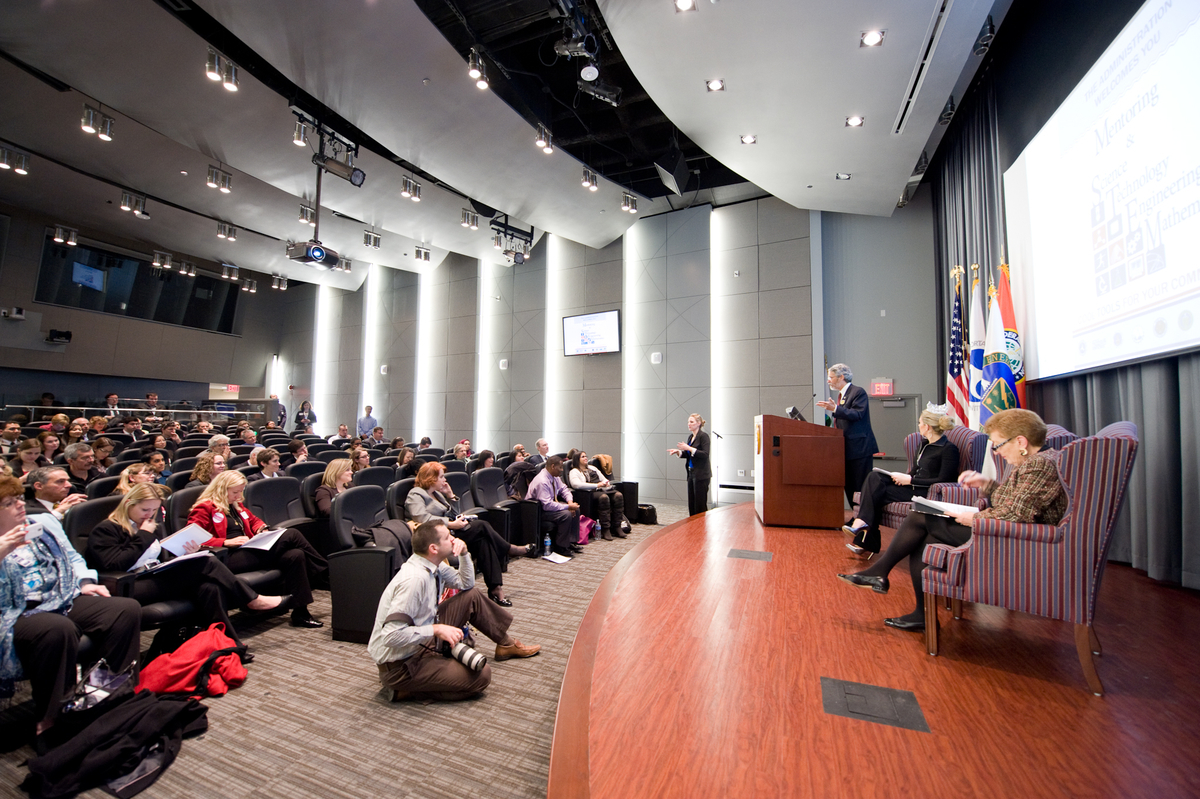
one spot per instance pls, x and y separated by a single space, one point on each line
238 541
673 452
11 540
444 632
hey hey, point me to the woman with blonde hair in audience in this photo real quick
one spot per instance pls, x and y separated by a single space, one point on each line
102 448
58 423
360 458
97 426
132 475
1031 494
27 458
51 446
208 466
220 511
432 497
133 527
338 475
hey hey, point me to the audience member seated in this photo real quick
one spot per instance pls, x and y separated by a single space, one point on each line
519 473
154 411
170 433
219 510
204 427
49 492
132 475
426 443
299 450
103 448
485 459
360 458
81 466
559 509
412 626
111 407
376 440
610 502
342 438
97 426
207 467
132 427
10 439
58 424
267 460
539 457
305 417
461 452
338 476
248 438
157 461
1031 494
431 498
132 528
219 445
27 459
76 433
937 462
48 600
397 443
405 457
51 446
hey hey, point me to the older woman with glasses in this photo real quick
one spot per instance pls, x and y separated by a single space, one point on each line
1032 493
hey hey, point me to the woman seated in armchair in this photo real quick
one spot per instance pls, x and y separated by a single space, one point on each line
1032 493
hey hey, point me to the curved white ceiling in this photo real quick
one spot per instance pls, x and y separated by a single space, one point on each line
794 71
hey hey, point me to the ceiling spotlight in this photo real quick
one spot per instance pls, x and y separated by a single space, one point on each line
300 136
60 235
187 268
72 237
986 35
345 171
224 272
416 195
922 164
947 112
476 69
167 261
308 215
222 230
158 258
715 85
7 157
246 285
126 201
586 181
21 163
601 91
498 241
543 140
253 286
214 179
466 218
229 76
367 238
590 71
749 138
855 121
283 284
231 233
685 5
628 203
422 254
139 207
104 132
275 281
212 68
90 119
406 186
226 183
371 239
842 176
871 38
632 205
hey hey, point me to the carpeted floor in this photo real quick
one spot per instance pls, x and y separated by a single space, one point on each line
312 721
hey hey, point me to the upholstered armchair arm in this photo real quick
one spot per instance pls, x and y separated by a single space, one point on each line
954 493
945 564
1041 533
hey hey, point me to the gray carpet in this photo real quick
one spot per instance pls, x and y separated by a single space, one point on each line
312 721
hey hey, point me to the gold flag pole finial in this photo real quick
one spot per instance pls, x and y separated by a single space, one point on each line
956 272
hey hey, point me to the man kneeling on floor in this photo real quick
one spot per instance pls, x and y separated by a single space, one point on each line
412 628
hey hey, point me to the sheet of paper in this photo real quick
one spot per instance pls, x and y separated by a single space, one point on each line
176 544
264 540
554 557
204 553
885 471
941 508
152 552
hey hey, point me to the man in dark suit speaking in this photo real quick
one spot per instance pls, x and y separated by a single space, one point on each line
852 415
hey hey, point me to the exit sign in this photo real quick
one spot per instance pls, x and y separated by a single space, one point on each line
233 389
882 387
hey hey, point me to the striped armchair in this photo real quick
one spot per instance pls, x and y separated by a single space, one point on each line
1051 571
1057 437
972 445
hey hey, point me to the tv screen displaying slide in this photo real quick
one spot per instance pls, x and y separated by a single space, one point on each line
1103 206
593 333
87 276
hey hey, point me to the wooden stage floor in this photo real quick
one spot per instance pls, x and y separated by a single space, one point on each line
699 675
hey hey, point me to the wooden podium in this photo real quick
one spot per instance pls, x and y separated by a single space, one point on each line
799 473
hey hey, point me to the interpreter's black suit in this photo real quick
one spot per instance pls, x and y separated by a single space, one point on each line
699 472
853 417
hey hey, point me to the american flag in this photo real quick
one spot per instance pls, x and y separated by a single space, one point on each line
956 378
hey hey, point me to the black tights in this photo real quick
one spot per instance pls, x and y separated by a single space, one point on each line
917 530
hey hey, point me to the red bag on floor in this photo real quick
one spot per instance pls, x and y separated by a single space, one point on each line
585 528
207 664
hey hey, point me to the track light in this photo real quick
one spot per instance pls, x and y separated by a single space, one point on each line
986 35
416 197
105 131
60 235
186 269
590 71
628 203
477 70
229 76
224 272
421 254
212 68
126 201
470 219
21 167
275 281
246 285
544 140
139 207
308 215
283 284
633 205
219 179
15 160
166 261
300 137
372 239
947 112
72 237
213 180
231 233
6 159
589 180
498 241
158 258
91 118
253 286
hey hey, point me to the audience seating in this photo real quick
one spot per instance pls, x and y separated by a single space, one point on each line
425 458
397 494
179 504
357 575
131 455
436 452
628 489
278 503
382 476
487 489
117 468
304 469
385 460
241 449
316 448
455 466
184 464
236 460
178 480
191 452
102 487
1052 571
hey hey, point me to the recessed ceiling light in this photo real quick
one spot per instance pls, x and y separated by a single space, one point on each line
183 171
685 5
749 138
855 121
715 85
842 176
871 38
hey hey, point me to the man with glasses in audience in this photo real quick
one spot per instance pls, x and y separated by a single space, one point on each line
51 492
219 445
81 466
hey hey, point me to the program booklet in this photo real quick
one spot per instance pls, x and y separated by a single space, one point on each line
935 508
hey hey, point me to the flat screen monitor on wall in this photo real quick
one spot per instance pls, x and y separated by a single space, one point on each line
592 334
87 276
1103 206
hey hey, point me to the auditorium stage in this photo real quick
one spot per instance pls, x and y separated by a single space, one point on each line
695 674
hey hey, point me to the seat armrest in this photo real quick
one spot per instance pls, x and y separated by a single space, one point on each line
1043 533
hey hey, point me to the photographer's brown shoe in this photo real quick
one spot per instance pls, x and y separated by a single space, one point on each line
516 650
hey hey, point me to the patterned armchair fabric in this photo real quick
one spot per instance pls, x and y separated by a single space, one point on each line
1046 570
971 448
1057 437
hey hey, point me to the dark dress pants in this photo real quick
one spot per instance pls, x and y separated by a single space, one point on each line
564 525
48 645
207 582
430 675
488 549
857 470
697 494
915 532
877 491
291 554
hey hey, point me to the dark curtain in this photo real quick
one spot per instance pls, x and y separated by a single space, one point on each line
1161 397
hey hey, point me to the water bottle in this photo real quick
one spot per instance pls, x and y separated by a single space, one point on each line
546 545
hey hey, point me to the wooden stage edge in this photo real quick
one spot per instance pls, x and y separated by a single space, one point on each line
670 692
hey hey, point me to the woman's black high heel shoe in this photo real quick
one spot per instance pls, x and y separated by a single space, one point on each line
877 584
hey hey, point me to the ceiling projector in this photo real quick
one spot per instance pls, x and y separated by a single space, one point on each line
313 252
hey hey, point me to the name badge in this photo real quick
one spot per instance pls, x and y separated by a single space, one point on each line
218 517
